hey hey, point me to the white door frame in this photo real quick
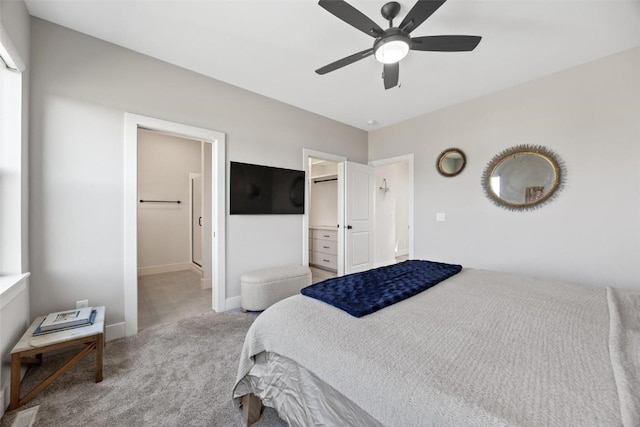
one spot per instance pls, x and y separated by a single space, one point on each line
410 191
218 184
191 178
312 154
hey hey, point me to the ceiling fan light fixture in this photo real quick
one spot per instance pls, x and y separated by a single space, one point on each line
391 48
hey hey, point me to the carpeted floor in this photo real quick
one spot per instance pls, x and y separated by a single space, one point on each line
177 374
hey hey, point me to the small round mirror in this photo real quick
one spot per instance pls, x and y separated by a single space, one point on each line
451 162
522 177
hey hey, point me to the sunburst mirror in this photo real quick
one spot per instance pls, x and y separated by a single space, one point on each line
523 177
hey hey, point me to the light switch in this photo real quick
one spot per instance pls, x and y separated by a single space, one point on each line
440 216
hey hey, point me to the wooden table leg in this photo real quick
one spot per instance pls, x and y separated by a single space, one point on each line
251 409
99 350
56 374
15 381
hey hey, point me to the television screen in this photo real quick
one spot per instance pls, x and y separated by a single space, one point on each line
256 189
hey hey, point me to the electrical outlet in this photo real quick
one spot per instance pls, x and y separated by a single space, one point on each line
83 303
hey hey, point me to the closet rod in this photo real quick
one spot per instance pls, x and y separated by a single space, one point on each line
315 181
160 201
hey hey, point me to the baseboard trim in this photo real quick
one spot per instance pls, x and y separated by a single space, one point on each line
167 268
232 303
115 331
206 283
196 269
5 392
402 252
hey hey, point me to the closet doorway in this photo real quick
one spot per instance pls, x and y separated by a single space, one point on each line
212 171
171 274
323 218
351 236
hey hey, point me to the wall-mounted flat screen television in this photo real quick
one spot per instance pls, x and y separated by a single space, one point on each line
256 189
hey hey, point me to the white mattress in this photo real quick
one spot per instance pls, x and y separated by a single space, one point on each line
481 349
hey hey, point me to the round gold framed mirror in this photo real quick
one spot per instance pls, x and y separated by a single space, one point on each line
451 162
523 177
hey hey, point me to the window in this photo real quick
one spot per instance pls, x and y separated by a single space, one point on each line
10 162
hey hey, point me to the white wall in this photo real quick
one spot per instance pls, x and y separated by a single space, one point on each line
164 164
392 216
589 115
83 86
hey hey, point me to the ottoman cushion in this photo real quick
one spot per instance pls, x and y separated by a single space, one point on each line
261 288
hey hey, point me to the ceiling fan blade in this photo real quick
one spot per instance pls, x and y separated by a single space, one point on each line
352 16
445 43
418 13
345 61
391 73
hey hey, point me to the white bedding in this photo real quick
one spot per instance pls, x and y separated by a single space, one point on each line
480 348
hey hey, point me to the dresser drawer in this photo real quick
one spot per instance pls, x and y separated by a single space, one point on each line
325 234
325 260
325 246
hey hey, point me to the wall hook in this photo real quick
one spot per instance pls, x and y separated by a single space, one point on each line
384 187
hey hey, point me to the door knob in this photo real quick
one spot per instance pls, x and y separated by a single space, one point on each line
349 227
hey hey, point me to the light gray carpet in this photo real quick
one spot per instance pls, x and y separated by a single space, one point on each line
178 374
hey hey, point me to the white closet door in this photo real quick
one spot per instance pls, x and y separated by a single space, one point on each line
196 220
359 183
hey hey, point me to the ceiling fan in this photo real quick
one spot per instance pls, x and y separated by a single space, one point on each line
393 44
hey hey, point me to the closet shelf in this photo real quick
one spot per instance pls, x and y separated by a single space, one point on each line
324 178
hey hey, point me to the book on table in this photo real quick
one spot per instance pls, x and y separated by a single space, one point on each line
61 320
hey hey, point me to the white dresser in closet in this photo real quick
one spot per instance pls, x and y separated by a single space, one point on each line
323 247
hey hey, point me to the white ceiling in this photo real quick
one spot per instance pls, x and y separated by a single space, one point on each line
272 47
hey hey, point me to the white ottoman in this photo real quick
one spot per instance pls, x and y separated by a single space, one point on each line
261 288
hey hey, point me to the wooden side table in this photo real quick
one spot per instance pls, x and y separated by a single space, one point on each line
92 337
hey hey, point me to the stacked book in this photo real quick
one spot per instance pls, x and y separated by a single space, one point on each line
63 320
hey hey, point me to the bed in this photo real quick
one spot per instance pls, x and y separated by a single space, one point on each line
480 348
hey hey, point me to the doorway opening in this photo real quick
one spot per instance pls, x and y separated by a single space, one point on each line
212 158
309 158
393 210
171 282
323 218
353 234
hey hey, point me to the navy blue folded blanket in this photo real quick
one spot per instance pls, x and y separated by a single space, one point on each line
363 293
